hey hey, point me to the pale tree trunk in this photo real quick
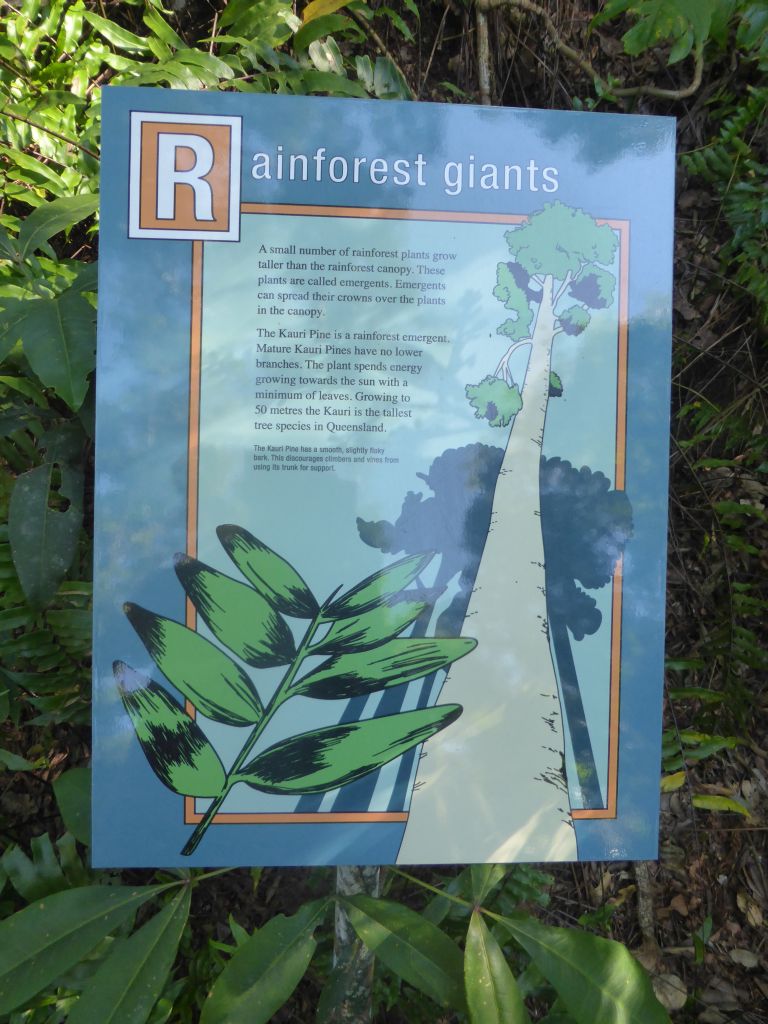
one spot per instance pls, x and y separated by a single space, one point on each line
492 787
350 997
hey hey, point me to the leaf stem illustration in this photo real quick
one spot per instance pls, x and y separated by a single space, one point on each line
280 696
360 653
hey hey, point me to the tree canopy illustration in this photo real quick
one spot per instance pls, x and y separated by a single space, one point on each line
558 256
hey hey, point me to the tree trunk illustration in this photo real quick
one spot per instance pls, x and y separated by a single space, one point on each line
493 789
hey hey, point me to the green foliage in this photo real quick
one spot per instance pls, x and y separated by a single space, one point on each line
48 937
73 796
265 969
131 978
245 619
494 400
493 995
735 164
684 24
411 946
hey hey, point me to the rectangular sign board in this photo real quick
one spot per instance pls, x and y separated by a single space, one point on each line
381 481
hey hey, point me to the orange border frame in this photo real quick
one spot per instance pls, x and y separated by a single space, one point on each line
192 817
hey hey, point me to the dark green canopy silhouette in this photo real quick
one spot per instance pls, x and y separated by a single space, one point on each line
585 525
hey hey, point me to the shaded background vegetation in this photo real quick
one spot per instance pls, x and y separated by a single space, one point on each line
695 919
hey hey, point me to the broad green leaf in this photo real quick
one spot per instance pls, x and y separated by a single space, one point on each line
379 588
50 218
395 662
484 878
493 995
326 56
58 336
412 947
114 34
597 979
320 27
237 615
326 81
13 763
323 759
264 971
37 876
157 24
174 744
217 687
388 83
42 941
43 539
370 628
206 62
320 8
704 802
73 795
274 578
129 982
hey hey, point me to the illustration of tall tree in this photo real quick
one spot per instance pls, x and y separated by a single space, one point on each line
502 769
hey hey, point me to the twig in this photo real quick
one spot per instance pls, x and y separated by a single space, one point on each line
576 58
483 56
213 31
50 131
382 47
438 34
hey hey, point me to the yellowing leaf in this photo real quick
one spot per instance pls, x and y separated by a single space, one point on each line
319 8
669 783
719 803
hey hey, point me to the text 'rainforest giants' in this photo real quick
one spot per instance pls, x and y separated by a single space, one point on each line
457 175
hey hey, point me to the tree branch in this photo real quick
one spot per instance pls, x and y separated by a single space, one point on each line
502 370
50 131
566 281
576 58
483 56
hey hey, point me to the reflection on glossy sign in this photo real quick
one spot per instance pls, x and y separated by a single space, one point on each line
381 556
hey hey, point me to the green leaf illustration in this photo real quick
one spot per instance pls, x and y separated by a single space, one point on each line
275 579
323 759
45 939
265 970
370 628
217 687
174 744
131 979
493 995
236 615
375 590
393 663
410 946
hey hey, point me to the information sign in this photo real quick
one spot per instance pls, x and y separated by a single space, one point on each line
381 481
